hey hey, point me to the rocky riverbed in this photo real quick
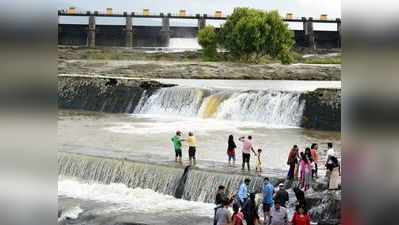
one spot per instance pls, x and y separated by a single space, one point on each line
187 65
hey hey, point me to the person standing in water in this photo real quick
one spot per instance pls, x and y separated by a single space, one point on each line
306 172
315 156
231 150
177 143
258 167
192 143
246 151
292 162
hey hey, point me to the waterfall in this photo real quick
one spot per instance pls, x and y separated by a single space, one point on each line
186 183
175 100
273 108
105 170
270 107
199 183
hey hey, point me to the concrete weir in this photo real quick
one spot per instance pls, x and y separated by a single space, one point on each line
195 184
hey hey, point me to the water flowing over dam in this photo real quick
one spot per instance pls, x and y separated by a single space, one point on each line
186 183
274 108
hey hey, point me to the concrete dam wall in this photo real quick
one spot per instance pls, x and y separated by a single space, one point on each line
151 36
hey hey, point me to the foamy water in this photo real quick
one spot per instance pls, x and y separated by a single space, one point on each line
126 199
184 43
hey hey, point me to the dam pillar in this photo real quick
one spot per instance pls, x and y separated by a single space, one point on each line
129 31
309 32
339 32
165 30
201 22
91 36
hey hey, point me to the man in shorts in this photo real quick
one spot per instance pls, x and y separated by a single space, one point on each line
267 191
192 143
177 145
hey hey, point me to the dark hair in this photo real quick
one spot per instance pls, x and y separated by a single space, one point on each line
300 206
247 180
226 201
231 144
313 145
259 150
221 187
303 157
329 144
266 178
236 207
252 196
308 154
295 146
249 137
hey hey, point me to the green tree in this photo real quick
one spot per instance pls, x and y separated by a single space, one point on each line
208 39
250 34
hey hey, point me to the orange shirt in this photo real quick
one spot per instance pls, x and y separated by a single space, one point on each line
315 155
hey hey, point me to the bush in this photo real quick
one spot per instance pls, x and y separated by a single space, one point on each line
207 38
250 34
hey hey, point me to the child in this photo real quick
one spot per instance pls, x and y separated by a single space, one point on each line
258 162
238 217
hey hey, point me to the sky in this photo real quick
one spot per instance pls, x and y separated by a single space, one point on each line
300 8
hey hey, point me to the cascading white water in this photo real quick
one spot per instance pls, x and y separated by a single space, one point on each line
184 44
174 100
272 108
199 185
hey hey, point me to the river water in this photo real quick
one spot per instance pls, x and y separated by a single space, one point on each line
270 111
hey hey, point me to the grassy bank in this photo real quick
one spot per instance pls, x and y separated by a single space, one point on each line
69 53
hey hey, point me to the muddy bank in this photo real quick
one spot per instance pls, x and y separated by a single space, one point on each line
200 70
322 109
105 94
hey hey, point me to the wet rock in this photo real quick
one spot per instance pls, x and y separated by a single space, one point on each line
100 93
325 207
322 109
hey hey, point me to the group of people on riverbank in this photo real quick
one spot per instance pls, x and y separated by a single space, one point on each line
307 162
245 207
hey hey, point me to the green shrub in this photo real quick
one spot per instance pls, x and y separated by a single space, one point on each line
207 38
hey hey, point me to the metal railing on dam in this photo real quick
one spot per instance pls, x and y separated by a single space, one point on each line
129 35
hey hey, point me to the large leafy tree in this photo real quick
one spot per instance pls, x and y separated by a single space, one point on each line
250 34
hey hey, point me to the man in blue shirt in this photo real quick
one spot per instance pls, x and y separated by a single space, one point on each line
243 191
267 191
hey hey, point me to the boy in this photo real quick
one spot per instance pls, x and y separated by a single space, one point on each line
258 162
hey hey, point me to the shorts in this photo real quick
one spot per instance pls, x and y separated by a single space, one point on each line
191 152
232 157
178 153
266 207
246 157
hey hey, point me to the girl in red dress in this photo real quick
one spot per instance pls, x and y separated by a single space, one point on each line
301 217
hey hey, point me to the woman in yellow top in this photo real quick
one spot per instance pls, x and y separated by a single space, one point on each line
192 143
